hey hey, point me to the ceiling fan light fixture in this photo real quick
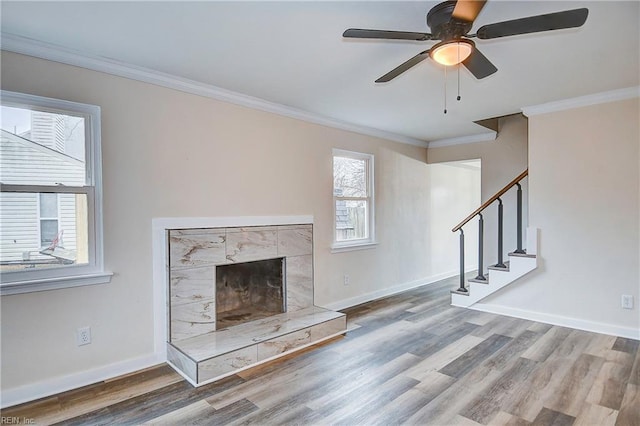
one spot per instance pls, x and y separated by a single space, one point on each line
451 52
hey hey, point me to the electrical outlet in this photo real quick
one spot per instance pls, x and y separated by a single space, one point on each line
346 279
627 301
83 336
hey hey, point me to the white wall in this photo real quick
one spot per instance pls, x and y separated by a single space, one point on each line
455 192
583 196
502 160
168 154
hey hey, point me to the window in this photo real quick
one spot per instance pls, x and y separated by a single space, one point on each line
352 200
50 198
48 219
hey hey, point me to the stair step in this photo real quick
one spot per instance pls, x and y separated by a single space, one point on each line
485 281
495 268
523 263
486 274
514 254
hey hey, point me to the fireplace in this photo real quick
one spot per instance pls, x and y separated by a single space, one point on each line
204 281
239 292
249 291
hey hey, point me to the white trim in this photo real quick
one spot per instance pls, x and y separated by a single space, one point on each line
52 52
31 286
389 291
575 323
582 101
341 247
159 260
461 140
31 392
232 221
533 240
159 227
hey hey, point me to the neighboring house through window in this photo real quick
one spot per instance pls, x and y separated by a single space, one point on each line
353 200
48 219
50 203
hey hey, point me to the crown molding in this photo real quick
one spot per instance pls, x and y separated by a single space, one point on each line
55 53
583 101
482 137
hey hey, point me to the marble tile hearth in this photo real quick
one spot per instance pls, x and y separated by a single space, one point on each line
195 347
214 355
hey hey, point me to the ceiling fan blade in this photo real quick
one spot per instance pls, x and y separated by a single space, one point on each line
479 65
533 24
388 35
403 67
468 10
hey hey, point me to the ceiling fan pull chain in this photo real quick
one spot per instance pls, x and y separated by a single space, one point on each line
445 90
458 66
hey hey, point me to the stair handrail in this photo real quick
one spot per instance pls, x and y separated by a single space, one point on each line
487 203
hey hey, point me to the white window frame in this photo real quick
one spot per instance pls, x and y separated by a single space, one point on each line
73 275
359 243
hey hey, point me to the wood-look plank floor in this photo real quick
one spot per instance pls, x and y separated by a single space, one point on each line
407 359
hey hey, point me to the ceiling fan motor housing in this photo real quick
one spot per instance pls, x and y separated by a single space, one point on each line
443 26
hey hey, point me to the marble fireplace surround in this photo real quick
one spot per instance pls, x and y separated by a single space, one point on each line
186 252
196 253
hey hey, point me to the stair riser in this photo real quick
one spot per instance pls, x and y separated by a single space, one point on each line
518 267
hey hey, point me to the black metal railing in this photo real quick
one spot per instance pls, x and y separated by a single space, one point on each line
478 212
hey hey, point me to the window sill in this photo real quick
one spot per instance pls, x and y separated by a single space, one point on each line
342 247
54 283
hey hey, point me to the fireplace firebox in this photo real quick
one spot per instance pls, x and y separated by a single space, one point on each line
249 291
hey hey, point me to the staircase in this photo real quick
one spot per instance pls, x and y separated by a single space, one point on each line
503 273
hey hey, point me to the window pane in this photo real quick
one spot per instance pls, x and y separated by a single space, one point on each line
40 148
48 232
351 220
48 205
28 242
349 177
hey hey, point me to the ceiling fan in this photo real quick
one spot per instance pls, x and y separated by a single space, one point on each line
451 21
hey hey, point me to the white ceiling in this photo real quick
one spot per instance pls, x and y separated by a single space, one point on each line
292 53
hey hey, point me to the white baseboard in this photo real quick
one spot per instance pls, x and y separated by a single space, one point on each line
31 392
579 324
390 291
